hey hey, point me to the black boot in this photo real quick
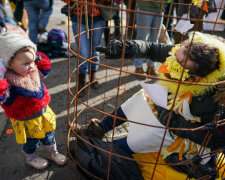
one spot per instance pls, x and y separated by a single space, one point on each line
95 84
91 129
140 70
81 84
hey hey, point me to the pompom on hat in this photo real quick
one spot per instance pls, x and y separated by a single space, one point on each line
10 43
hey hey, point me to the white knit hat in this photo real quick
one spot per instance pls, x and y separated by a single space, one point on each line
11 42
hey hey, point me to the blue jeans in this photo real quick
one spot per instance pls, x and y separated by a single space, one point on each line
45 16
143 20
107 124
85 45
38 14
33 143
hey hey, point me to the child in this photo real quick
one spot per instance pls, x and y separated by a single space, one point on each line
204 63
25 98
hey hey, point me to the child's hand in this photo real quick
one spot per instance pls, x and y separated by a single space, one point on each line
2 69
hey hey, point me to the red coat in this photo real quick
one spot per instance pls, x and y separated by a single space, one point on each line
20 99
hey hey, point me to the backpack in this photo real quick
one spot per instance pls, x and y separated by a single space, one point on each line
56 38
96 161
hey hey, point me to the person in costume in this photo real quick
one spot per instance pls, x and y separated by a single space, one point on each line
202 61
25 98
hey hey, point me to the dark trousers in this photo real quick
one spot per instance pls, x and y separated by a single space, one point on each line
168 22
107 124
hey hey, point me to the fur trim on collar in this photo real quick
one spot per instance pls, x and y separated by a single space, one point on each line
31 81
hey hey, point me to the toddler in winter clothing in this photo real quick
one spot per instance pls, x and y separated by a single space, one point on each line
25 98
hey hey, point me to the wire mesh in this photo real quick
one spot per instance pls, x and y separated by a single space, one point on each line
118 81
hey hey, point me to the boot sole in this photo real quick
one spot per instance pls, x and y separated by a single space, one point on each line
61 164
37 167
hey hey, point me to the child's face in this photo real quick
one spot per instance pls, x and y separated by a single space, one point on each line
181 55
23 63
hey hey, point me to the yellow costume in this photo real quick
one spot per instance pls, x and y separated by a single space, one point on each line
34 128
163 172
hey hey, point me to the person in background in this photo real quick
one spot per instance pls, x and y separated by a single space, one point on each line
8 24
18 11
195 12
25 99
116 19
153 23
168 22
45 18
132 21
38 14
87 46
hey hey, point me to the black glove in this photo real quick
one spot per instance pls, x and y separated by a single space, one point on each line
115 47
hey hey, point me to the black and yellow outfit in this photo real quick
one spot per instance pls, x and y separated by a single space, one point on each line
203 105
